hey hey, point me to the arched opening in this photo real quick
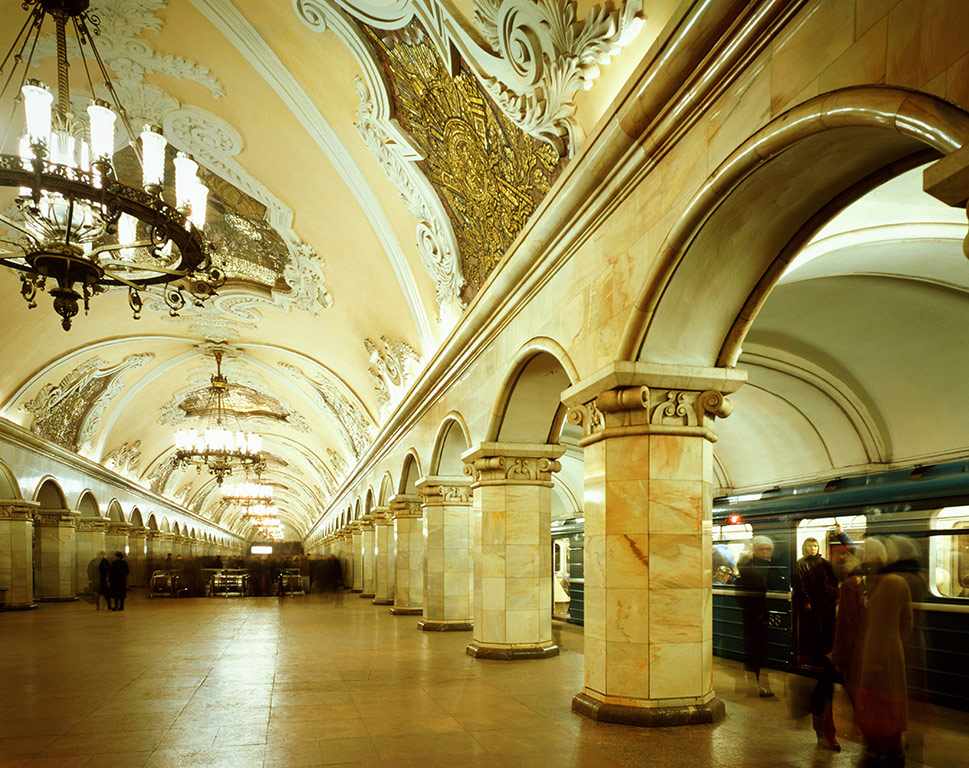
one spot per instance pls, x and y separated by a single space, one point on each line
9 487
452 440
386 490
49 495
136 518
410 474
88 505
115 515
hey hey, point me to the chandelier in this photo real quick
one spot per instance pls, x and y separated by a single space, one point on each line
219 448
264 519
77 230
247 493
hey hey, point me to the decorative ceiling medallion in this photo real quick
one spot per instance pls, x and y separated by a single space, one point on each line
390 370
489 175
125 460
69 413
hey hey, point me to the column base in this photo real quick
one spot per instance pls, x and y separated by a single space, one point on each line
67 599
399 611
382 602
511 652
429 625
356 590
365 594
19 607
648 717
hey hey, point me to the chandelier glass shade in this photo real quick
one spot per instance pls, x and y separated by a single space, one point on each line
219 447
76 229
247 493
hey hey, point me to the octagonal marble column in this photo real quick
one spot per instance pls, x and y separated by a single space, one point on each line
116 539
16 552
137 556
55 555
346 557
89 539
647 435
448 586
408 522
356 555
512 490
368 556
384 557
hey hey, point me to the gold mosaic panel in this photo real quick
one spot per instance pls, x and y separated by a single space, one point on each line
490 175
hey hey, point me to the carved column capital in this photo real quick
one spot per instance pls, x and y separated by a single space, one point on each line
154 535
366 522
512 463
17 509
646 398
119 528
381 516
138 533
440 490
405 505
56 517
92 524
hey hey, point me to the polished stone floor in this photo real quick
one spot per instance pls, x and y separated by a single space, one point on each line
326 680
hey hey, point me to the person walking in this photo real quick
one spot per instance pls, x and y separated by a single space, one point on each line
97 579
104 569
118 581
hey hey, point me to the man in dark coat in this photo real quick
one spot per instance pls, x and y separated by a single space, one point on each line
118 581
104 567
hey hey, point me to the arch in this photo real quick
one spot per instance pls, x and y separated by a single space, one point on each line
114 513
9 487
49 494
410 473
368 504
764 202
386 490
136 519
529 407
152 522
453 439
176 529
87 505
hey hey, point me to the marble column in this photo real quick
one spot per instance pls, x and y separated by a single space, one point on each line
368 557
384 562
512 522
116 539
346 557
408 554
16 553
647 435
88 540
154 552
446 506
137 556
55 555
356 556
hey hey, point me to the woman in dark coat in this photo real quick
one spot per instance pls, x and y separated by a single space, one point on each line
118 581
815 604
754 579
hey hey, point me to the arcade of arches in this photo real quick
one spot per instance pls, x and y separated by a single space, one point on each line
741 267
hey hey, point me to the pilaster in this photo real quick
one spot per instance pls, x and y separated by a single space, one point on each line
55 555
116 539
512 519
16 552
356 556
138 556
384 557
448 587
647 435
408 520
88 541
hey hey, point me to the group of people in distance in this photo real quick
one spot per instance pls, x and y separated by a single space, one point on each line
108 579
852 618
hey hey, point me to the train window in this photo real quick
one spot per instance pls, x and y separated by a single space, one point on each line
949 553
729 542
822 528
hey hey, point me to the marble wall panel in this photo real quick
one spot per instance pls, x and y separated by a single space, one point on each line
628 612
676 670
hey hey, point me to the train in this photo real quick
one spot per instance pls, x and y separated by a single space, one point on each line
924 507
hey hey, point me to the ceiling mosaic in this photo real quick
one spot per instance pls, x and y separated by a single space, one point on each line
489 174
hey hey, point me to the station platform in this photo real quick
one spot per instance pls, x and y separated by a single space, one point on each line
334 680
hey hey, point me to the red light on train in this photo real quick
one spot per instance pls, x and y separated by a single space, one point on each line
734 519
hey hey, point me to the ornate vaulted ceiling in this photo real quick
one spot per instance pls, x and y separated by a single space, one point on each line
369 164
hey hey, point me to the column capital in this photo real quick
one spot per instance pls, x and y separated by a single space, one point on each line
154 535
366 522
405 505
138 533
381 516
119 527
438 490
633 398
17 509
92 524
51 517
512 463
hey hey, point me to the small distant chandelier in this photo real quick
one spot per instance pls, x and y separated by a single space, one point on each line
247 493
218 448
264 519
77 229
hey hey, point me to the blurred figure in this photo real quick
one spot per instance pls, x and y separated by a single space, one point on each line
852 622
118 581
754 578
881 710
815 602
97 575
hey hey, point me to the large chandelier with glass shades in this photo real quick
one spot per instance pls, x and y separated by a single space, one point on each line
265 520
221 446
76 230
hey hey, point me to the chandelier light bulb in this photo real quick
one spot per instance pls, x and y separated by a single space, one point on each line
185 180
102 129
153 157
198 202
